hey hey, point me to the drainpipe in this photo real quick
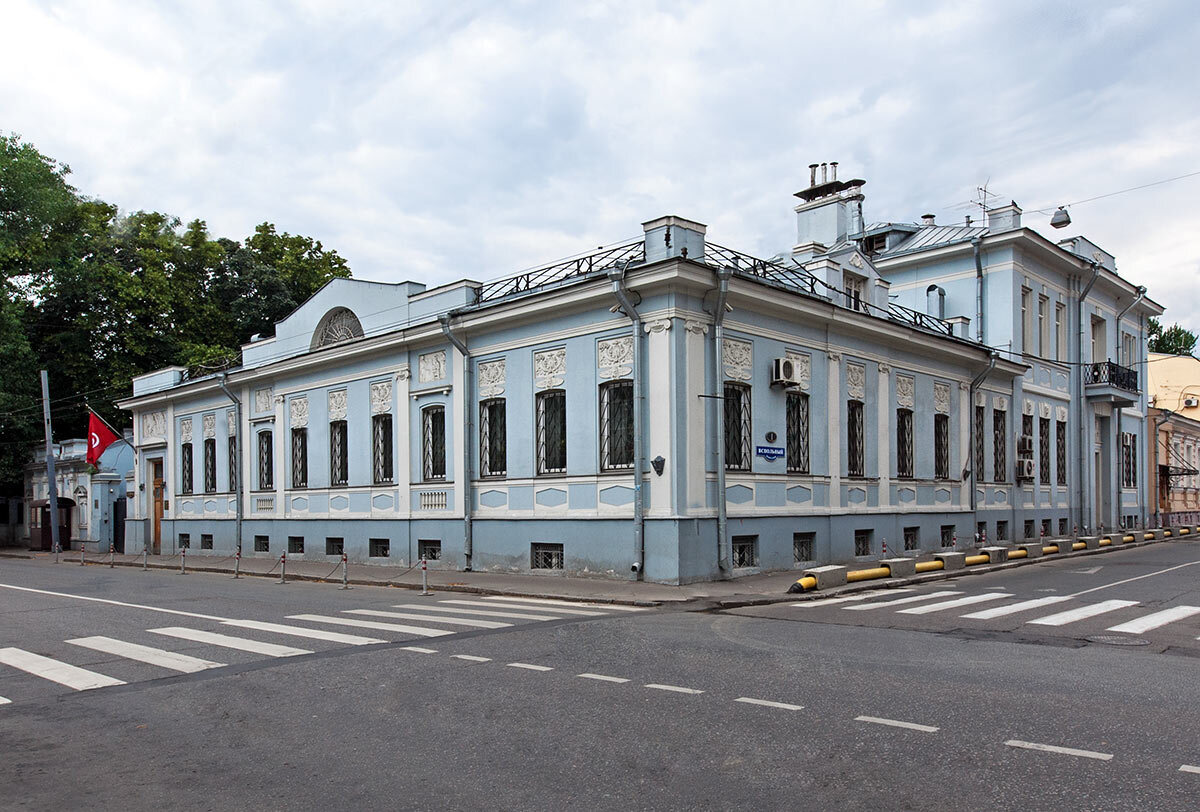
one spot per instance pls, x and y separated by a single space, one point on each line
975 245
468 407
617 275
1081 452
978 379
722 289
237 442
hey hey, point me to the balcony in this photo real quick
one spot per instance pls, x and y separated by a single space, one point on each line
1106 381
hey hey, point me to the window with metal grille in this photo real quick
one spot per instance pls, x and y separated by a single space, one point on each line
299 458
552 432
493 438
1128 460
1047 527
1026 427
1002 531
185 541
185 468
999 445
429 549
339 453
381 448
745 551
266 461
912 538
802 547
1044 450
433 443
941 446
544 556
379 548
904 443
855 441
210 465
1029 528
262 544
206 541
737 427
334 545
296 545
947 535
234 463
981 532
1062 527
797 433
1060 430
616 425
862 542
980 416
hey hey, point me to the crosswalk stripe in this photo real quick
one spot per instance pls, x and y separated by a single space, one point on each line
862 596
71 676
457 621
481 604
420 631
1156 619
553 602
146 654
1013 608
1082 613
228 641
951 604
862 607
478 612
4 701
300 631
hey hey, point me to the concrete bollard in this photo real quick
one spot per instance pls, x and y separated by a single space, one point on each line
995 554
900 567
1092 542
951 561
1033 550
828 576
425 577
345 573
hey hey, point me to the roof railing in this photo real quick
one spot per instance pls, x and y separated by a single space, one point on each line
631 253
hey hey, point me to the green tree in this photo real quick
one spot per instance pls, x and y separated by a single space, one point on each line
302 263
1173 340
20 402
36 209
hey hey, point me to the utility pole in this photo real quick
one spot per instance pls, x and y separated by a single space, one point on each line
52 486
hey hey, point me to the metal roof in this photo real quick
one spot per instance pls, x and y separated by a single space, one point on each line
936 236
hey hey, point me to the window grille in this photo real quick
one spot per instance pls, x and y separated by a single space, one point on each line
339 453
1002 530
299 458
981 531
745 551
210 465
862 542
1029 528
429 549
552 432
999 446
380 548
1044 450
545 556
493 438
616 425
381 448
1128 460
737 427
266 461
1060 429
941 446
912 538
433 443
334 545
234 463
797 433
947 534
1047 528
296 545
980 416
855 442
185 466
904 443
1062 527
206 541
262 544
802 547
185 541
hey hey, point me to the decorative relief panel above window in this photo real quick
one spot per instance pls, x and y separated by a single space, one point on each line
337 405
381 397
614 357
154 425
801 368
336 326
298 412
1044 410
209 421
1000 402
905 389
856 380
231 422
549 368
941 398
262 401
491 378
1027 407
980 399
185 430
432 367
1061 414
739 359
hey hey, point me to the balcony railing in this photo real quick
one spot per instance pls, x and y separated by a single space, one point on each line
1115 375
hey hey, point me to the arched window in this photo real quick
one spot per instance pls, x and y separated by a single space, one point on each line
336 326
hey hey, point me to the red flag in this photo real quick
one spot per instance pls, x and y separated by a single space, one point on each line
100 437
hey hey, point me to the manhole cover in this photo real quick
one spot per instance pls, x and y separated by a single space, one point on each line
1117 640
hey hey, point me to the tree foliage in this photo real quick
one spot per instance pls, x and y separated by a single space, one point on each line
1173 340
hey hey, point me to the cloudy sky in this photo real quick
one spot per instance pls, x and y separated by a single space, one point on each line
435 141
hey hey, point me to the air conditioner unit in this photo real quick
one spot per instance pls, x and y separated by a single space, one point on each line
1190 402
1025 444
783 372
1026 469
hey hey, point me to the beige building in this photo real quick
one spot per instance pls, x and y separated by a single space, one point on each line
1174 387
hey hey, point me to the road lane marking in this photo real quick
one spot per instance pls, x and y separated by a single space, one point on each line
1188 768
419 631
1156 619
876 720
474 612
300 631
1082 613
1066 751
1136 578
4 701
111 602
227 641
471 658
863 607
674 688
530 667
553 602
527 608
602 678
862 596
80 679
766 703
952 604
455 621
146 654
419 650
1013 608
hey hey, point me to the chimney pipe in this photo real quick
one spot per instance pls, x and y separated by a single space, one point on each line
927 219
812 175
824 173
833 167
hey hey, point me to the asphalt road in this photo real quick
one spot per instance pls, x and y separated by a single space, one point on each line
618 710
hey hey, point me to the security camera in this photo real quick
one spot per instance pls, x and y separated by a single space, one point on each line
636 567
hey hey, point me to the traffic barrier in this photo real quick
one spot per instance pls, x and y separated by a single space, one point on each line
929 566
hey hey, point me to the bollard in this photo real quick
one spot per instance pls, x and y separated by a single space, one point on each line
183 560
282 569
112 555
81 554
885 552
425 577
345 574
57 548
145 559
237 563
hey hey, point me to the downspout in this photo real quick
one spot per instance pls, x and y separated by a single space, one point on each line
468 408
722 289
617 275
978 379
1081 452
975 245
237 443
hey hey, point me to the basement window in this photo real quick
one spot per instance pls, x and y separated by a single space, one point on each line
430 549
1062 527
1002 530
380 548
1029 529
912 538
185 541
802 547
947 535
544 556
862 542
745 551
1047 530
206 541
296 545
262 544
334 545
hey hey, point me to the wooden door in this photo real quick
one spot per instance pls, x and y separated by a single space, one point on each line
156 538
